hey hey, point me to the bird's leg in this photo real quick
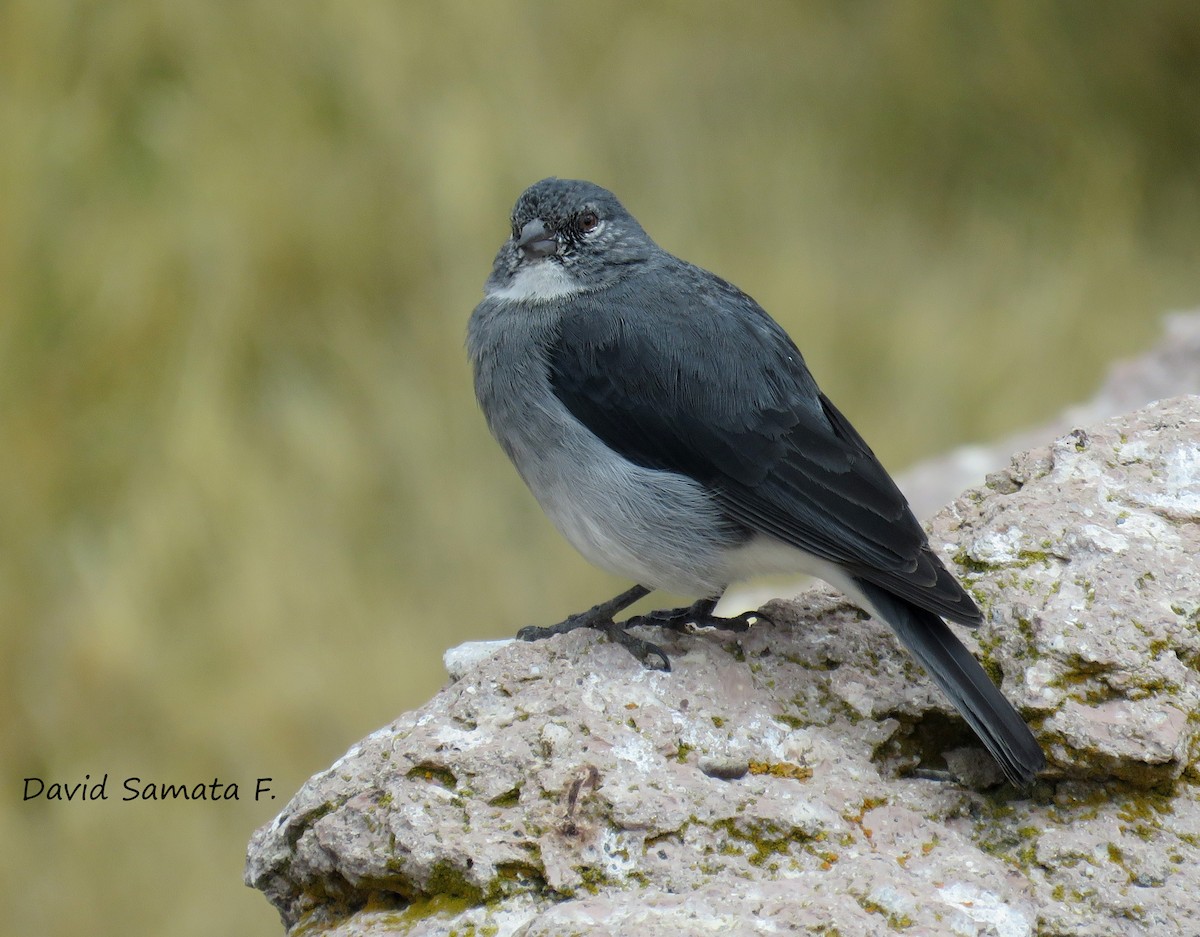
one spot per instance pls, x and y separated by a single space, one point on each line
602 618
598 616
700 614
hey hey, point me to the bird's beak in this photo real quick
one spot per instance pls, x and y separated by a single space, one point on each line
536 240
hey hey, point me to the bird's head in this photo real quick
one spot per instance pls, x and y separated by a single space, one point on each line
568 236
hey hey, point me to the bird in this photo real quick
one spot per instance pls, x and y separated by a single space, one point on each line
672 432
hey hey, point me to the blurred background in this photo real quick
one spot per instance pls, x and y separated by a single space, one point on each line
246 498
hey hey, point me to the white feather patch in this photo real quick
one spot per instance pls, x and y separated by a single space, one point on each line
537 283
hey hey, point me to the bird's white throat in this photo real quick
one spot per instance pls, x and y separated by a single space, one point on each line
538 283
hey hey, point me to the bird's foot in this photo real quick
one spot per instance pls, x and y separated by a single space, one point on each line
644 651
602 618
698 614
538 633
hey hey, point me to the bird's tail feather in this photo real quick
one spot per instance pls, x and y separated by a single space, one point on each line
960 676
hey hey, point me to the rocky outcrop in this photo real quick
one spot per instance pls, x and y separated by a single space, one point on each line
805 777
1169 369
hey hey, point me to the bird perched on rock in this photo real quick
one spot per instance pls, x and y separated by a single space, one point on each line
672 432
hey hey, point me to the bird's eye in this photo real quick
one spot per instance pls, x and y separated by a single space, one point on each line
588 221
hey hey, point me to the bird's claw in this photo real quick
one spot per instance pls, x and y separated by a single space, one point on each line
741 622
538 633
698 615
602 618
644 651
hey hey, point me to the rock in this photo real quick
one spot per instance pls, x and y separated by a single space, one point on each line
1169 369
458 661
805 776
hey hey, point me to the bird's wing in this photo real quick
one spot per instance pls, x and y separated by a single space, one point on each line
711 387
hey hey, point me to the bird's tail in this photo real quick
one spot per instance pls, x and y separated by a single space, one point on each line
954 669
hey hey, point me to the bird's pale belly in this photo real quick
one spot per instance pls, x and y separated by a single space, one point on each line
657 528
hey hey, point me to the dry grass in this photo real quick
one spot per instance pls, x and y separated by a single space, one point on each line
245 496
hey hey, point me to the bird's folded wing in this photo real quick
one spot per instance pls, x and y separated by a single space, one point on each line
714 389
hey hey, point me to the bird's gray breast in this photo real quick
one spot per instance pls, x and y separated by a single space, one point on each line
655 527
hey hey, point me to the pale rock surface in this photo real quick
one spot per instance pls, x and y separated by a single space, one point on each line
1169 369
805 777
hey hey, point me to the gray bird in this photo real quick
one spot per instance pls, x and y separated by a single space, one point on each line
672 432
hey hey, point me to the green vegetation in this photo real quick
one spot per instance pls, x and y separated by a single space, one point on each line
246 500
